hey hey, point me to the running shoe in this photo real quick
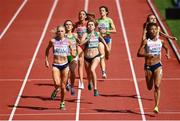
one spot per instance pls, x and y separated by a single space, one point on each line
68 85
54 94
104 76
72 91
96 92
156 110
81 85
62 105
90 86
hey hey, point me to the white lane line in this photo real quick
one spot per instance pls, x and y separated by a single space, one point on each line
13 18
78 103
114 113
33 59
99 79
92 120
79 90
164 29
130 60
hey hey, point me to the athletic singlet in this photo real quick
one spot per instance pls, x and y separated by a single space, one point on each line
104 24
81 30
61 48
154 47
72 39
93 41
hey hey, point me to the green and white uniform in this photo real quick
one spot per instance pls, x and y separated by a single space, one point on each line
73 41
93 42
105 24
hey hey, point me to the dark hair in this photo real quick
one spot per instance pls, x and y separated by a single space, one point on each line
72 24
89 16
106 8
95 23
149 26
148 19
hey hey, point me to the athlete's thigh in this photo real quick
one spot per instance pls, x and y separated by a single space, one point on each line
87 66
101 48
64 75
56 74
148 74
80 52
95 63
110 45
158 76
73 65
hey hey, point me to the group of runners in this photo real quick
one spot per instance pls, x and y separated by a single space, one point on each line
87 43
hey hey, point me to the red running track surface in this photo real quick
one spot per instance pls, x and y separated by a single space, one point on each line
118 98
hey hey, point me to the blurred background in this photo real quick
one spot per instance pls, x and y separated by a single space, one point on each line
170 12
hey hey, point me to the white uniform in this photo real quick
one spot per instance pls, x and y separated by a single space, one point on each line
154 47
61 48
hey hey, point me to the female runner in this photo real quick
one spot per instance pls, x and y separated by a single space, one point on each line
60 67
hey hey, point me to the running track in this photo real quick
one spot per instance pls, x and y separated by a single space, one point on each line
26 85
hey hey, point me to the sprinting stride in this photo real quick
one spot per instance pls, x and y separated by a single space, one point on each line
150 49
81 28
106 27
73 61
91 41
60 67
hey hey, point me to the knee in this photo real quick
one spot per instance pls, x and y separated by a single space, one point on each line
92 70
81 61
63 86
57 83
157 87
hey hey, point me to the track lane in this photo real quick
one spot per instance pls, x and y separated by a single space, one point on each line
7 11
116 102
35 103
17 50
39 101
169 88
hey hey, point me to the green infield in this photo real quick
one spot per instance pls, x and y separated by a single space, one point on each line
173 24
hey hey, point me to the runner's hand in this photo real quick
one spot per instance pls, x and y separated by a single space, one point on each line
168 56
47 64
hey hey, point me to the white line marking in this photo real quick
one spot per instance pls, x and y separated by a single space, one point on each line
130 60
79 90
114 113
164 29
33 59
99 79
93 120
86 5
78 103
13 18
